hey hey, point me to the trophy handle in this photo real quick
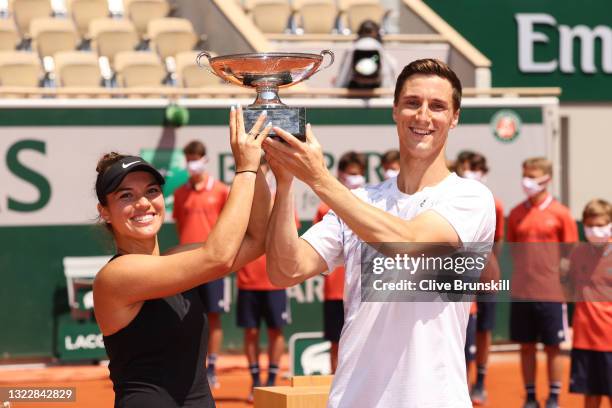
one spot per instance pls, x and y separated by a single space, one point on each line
331 59
208 57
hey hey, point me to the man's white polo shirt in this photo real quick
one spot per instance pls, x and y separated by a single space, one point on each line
395 354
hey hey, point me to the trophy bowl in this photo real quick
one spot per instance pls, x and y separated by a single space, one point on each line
267 72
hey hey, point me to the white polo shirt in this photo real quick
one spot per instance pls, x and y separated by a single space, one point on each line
396 354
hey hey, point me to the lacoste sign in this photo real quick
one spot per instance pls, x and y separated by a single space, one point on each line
84 342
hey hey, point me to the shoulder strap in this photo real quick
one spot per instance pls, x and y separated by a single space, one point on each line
114 257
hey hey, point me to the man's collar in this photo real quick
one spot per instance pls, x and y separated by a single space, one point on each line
544 204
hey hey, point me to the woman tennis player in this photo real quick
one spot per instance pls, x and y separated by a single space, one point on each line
148 306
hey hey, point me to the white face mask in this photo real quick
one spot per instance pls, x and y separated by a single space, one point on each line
352 181
390 173
533 186
598 235
474 175
197 167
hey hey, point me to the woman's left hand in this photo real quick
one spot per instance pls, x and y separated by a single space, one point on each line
246 147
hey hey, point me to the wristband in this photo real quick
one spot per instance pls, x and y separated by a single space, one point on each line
246 171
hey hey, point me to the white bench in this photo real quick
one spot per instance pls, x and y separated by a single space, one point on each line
80 271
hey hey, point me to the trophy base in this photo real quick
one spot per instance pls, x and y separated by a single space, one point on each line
290 119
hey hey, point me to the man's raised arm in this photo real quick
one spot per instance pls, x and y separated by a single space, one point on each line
371 224
289 259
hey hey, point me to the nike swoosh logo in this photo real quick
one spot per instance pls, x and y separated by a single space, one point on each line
126 165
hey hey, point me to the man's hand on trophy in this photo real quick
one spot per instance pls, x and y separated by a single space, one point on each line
302 159
281 174
246 147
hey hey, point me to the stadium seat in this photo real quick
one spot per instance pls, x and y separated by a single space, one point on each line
110 36
143 11
9 37
51 35
170 36
77 69
20 68
190 75
139 68
356 12
316 16
84 11
270 16
24 11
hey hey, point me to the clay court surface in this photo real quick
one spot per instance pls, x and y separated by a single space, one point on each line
94 389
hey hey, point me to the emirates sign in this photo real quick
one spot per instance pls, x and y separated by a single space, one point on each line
529 36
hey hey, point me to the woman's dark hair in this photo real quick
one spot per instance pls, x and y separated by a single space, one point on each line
369 29
103 164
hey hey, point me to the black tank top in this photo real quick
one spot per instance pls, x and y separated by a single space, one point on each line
157 360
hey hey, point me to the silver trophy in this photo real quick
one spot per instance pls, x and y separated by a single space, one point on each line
267 72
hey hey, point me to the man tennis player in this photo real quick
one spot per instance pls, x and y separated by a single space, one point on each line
392 354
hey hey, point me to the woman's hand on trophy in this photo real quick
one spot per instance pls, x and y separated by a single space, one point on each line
302 159
246 147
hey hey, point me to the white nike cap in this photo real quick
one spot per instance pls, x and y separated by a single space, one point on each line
110 180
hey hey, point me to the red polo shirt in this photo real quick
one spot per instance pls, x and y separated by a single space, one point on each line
196 211
334 282
536 267
590 273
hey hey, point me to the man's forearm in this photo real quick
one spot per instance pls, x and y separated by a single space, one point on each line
282 241
369 223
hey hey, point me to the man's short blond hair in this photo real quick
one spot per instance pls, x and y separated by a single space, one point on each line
541 163
596 208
